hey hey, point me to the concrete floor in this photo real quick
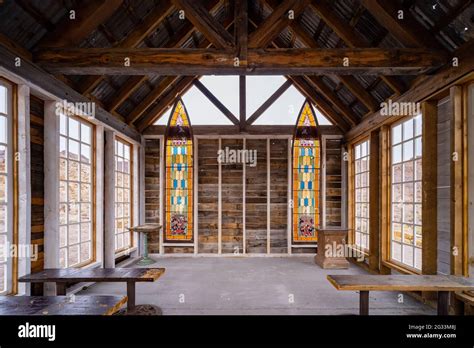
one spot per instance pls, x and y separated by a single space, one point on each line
255 286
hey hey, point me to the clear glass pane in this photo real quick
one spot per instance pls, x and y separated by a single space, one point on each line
408 129
3 99
85 133
397 134
408 150
74 129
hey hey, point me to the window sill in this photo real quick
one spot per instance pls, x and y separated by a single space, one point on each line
126 252
399 268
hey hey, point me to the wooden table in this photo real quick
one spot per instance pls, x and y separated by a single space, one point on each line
73 275
332 238
438 283
146 229
61 305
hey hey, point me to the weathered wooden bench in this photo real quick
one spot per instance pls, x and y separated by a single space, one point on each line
61 305
437 283
74 275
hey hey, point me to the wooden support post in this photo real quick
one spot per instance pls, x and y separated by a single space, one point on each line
443 302
131 295
61 289
384 196
363 303
374 199
457 182
429 184
51 192
109 200
242 102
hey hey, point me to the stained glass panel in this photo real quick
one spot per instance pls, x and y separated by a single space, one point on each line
306 171
179 177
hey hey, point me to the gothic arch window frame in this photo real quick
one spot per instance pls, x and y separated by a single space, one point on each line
188 237
314 135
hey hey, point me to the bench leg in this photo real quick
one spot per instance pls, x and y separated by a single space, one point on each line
443 302
131 296
60 289
363 303
36 289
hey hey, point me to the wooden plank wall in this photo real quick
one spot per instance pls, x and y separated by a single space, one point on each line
232 197
279 196
152 189
444 185
256 199
37 179
208 185
333 182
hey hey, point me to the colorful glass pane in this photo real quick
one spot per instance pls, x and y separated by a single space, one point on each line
306 170
179 177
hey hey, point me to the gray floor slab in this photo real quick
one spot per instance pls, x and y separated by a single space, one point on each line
256 286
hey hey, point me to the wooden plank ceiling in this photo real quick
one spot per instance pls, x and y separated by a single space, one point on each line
346 56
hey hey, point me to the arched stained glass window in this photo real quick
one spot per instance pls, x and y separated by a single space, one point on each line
306 171
179 177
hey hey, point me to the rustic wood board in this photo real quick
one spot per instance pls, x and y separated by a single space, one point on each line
400 283
94 275
146 228
61 305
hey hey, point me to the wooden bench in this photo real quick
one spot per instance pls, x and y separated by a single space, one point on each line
74 275
437 283
61 305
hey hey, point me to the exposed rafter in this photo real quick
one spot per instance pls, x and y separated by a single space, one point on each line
150 23
349 36
278 20
214 31
407 30
165 102
70 32
151 98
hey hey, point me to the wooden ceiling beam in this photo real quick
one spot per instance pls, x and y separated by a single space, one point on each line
70 32
241 23
278 20
408 31
269 102
109 61
198 15
133 39
165 102
213 99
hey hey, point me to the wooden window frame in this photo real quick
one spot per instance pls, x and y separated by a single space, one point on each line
93 202
387 200
120 139
352 198
11 275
